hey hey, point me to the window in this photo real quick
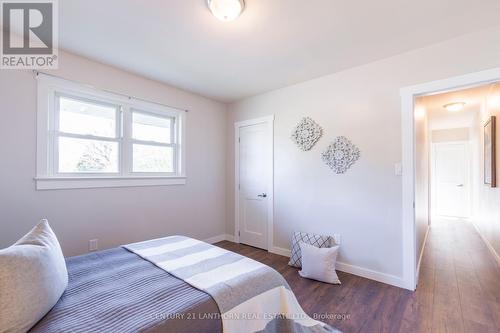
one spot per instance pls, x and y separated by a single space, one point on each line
153 147
89 138
86 136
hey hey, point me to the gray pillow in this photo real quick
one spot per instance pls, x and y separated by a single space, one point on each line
33 277
311 239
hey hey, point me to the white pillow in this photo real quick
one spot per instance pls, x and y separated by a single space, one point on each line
312 239
33 277
319 263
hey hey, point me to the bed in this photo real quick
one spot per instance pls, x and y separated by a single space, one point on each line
174 284
117 291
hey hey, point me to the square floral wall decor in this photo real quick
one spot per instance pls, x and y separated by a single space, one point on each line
306 134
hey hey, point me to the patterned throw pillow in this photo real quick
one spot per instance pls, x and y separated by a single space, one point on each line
311 239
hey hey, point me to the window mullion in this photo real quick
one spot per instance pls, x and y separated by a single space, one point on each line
53 139
126 142
173 138
179 145
119 136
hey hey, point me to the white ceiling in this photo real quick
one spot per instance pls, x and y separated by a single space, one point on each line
274 43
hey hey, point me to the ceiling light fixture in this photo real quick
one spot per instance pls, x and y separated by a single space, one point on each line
454 107
226 10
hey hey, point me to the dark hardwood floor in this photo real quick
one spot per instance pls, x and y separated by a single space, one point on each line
458 290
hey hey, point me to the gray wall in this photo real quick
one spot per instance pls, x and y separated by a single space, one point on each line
364 104
451 134
113 215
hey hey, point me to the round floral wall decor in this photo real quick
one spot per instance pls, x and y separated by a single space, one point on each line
340 155
306 133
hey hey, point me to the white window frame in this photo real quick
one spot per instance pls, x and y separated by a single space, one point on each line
47 176
173 142
55 133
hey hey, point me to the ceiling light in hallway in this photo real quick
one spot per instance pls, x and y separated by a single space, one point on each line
454 107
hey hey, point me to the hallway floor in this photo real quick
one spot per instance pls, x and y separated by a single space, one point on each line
459 284
458 291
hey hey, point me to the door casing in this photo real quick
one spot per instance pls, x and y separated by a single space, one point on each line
269 120
408 95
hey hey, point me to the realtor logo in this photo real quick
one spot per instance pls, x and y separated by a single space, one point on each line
29 34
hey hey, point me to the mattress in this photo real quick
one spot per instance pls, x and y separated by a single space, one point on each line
117 291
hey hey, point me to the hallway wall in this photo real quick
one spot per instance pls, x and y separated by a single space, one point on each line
422 176
488 217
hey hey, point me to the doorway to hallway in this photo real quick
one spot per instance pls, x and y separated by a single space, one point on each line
450 182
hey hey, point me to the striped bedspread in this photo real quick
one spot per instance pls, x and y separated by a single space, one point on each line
251 296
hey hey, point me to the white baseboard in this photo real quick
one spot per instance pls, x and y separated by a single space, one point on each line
421 254
281 251
219 238
371 274
341 266
356 270
488 244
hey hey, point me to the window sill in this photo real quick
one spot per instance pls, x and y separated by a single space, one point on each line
60 183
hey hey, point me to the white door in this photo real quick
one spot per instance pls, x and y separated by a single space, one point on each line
255 168
451 185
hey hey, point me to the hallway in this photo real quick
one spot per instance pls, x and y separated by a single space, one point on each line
459 284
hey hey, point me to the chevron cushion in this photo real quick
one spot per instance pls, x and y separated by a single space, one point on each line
311 239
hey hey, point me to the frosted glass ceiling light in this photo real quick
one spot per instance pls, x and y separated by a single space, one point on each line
226 10
454 107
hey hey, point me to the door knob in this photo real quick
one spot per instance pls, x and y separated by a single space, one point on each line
263 195
460 185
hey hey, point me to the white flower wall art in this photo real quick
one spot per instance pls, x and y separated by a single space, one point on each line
340 155
306 134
